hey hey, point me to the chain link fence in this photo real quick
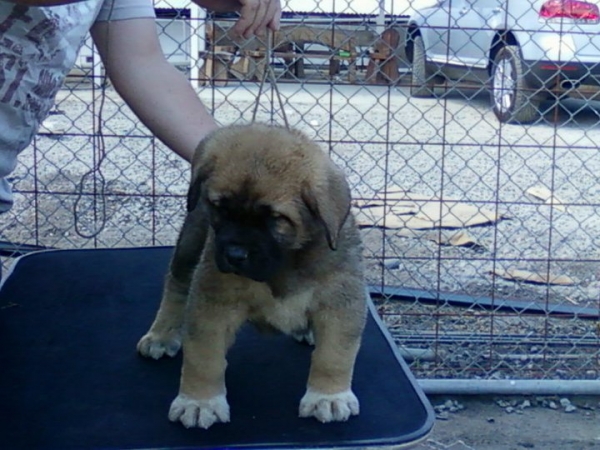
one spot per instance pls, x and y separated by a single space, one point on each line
475 180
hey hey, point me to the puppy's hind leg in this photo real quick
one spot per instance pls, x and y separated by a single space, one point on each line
164 336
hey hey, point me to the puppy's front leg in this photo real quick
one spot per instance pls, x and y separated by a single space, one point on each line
329 396
164 336
202 393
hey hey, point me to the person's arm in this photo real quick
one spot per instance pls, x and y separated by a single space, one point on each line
155 90
255 15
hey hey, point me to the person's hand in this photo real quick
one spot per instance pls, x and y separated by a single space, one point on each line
256 16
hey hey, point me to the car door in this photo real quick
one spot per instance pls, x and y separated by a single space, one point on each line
434 28
475 22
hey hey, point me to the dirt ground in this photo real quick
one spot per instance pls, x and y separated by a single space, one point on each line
492 423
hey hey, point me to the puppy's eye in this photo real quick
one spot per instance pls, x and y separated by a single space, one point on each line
277 216
213 202
280 223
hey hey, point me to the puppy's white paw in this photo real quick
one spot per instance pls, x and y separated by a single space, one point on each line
329 407
199 413
154 345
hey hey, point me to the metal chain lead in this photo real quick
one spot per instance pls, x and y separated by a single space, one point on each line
269 73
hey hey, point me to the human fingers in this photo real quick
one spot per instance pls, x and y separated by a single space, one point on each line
257 27
250 17
273 16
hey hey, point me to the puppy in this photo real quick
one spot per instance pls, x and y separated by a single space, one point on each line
269 239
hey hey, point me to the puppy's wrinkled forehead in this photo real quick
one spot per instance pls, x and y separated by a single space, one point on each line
258 164
242 197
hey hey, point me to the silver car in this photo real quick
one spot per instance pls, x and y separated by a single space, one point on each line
525 51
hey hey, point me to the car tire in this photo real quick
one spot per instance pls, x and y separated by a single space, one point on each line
512 98
421 83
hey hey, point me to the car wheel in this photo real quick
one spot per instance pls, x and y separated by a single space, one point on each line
512 97
421 83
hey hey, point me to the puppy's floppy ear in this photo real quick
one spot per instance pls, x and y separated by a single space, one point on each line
201 169
328 199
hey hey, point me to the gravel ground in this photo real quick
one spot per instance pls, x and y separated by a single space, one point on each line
445 147
518 423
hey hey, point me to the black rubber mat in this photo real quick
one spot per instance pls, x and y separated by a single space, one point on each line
70 377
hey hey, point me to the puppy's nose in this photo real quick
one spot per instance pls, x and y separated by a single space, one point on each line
236 254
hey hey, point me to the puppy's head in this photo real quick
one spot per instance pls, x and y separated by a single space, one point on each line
269 192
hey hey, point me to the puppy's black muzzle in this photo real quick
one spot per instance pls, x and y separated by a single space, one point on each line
247 251
236 255
249 263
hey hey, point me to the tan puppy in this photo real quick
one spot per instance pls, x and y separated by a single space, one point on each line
268 238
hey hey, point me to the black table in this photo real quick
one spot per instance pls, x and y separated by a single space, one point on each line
70 377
